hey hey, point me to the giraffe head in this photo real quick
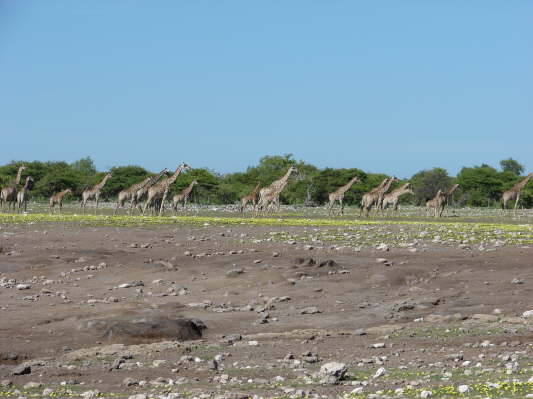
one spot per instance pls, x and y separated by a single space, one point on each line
108 175
184 167
194 182
68 190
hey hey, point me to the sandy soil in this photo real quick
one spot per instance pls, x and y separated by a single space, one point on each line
237 281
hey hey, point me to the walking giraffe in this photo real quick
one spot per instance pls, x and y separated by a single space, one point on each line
9 192
22 194
252 197
159 190
130 192
57 198
338 195
183 196
375 196
514 192
94 192
270 195
393 197
440 200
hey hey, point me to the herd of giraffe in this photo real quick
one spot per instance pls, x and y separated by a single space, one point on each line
156 188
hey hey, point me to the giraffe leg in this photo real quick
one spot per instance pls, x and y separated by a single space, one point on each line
516 202
162 206
342 206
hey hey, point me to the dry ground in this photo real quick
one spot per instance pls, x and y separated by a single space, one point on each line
432 308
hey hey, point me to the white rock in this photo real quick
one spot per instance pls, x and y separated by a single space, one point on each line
426 394
463 388
23 286
527 314
381 371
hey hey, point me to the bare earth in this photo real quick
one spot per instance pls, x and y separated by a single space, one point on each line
296 308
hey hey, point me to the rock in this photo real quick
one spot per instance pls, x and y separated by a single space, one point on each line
128 330
32 385
463 388
21 369
212 364
131 284
527 314
484 318
379 345
381 371
310 310
517 281
138 396
426 394
23 286
383 247
234 272
90 394
332 373
128 382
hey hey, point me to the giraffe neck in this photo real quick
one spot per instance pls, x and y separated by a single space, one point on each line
349 184
520 185
172 178
102 183
254 191
19 174
387 186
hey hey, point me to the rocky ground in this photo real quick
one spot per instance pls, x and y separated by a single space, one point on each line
264 311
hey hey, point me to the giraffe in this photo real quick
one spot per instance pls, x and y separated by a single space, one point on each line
514 192
183 196
9 192
22 194
393 197
160 189
375 196
94 192
270 195
252 197
130 192
435 203
338 195
57 198
143 191
440 200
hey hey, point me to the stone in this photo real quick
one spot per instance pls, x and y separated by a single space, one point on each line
32 385
463 388
381 371
234 272
21 369
332 373
310 310
484 318
527 314
138 396
23 287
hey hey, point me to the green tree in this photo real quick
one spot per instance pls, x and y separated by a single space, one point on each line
122 178
511 165
84 166
426 183
481 185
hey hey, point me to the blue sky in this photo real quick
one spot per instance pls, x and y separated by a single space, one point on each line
390 86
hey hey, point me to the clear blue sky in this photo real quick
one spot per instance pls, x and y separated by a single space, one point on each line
389 86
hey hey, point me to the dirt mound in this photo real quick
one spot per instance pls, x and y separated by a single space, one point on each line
147 329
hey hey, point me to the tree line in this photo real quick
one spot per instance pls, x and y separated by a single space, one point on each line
479 185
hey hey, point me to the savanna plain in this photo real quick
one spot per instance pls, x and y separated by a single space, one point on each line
211 304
